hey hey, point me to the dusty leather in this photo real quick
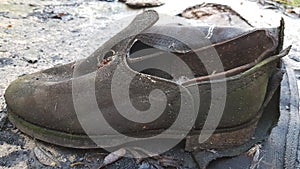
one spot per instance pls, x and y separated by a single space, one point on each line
45 98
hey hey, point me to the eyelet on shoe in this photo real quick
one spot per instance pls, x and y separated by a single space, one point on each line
106 59
109 54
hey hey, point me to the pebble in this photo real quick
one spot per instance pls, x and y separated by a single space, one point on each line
5 62
81 159
55 58
145 165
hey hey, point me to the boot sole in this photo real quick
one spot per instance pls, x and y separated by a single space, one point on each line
220 139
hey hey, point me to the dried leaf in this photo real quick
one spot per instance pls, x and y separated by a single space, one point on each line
254 149
44 157
255 152
113 157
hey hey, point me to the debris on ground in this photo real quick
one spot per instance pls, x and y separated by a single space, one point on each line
113 157
255 152
52 12
158 161
142 3
289 8
45 157
254 149
215 13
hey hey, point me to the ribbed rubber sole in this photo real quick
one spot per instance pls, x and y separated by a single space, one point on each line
221 138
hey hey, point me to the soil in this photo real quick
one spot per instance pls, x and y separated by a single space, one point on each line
38 34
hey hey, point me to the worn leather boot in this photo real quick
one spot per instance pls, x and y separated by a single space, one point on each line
226 102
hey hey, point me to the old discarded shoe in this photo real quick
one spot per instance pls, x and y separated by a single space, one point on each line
56 105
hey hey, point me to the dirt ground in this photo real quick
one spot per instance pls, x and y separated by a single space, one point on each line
38 34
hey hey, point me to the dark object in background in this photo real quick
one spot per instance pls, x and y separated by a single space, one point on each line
136 4
218 14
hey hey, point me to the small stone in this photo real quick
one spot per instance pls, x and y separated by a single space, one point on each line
9 125
66 17
81 159
72 158
56 58
144 165
5 62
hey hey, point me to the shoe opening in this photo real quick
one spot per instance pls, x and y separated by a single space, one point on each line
235 55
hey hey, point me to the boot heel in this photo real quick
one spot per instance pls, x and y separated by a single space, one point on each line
222 139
